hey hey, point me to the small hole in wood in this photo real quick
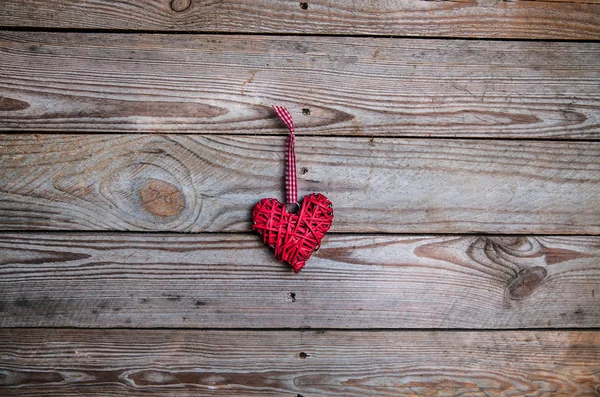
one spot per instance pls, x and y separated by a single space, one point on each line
306 111
302 355
304 6
292 296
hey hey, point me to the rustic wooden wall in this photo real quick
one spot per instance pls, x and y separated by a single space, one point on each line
464 258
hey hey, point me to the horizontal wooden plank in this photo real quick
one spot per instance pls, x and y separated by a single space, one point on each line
333 86
210 183
306 363
233 281
564 19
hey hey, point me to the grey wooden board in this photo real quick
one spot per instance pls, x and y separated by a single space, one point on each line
69 82
113 363
563 19
210 183
233 281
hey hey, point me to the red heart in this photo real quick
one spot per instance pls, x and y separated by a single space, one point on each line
293 237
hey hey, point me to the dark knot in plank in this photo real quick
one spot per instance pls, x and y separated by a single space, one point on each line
11 104
526 282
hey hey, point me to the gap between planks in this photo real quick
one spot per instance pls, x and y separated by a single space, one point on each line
309 329
332 136
34 29
252 233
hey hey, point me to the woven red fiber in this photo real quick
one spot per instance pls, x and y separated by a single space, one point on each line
293 237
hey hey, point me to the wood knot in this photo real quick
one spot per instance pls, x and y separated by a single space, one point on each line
162 199
526 282
11 104
514 245
180 5
152 378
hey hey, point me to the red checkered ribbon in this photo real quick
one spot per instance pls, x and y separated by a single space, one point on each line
291 184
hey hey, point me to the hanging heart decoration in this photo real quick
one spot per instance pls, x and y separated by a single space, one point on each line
293 236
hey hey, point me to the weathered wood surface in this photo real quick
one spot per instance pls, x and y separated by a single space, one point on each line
563 19
65 82
210 183
233 281
298 363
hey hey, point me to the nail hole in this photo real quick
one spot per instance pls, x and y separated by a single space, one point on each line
303 170
306 111
304 6
302 355
292 296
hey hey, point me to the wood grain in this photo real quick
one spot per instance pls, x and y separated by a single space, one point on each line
66 82
563 19
210 183
298 363
233 281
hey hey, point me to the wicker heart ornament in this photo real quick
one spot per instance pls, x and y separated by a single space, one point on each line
293 237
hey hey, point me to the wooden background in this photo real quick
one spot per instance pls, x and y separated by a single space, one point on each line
458 140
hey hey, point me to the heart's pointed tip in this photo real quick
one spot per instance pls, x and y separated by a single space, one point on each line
298 266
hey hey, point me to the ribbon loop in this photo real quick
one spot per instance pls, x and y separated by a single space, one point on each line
291 183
